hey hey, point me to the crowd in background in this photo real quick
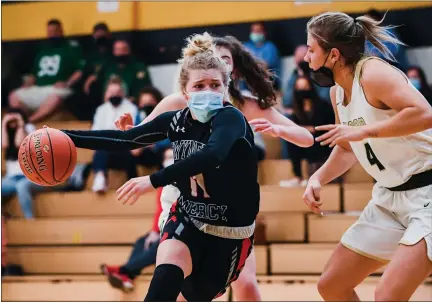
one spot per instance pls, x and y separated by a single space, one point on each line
110 81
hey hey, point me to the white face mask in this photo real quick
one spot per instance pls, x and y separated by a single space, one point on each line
205 104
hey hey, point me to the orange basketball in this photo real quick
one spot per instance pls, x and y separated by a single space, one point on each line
47 157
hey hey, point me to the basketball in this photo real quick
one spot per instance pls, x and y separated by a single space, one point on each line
47 157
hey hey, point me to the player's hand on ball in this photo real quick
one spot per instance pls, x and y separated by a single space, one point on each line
311 196
339 133
124 122
133 189
264 126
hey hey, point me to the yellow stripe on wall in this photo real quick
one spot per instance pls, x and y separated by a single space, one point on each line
28 20
159 15
25 21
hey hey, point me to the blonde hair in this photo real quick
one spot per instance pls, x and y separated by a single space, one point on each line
200 53
348 35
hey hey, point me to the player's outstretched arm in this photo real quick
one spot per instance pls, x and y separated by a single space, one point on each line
228 126
115 140
270 121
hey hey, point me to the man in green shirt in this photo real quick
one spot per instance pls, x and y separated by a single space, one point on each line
134 74
57 66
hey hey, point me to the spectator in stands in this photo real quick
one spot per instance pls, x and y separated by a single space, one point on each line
418 78
398 51
144 250
115 105
134 74
101 52
150 156
57 67
301 69
264 50
309 111
14 129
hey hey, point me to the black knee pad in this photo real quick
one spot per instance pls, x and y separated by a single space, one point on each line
166 284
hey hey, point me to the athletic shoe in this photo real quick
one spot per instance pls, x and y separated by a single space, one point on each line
116 279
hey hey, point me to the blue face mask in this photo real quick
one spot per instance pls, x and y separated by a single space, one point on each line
205 104
416 83
257 38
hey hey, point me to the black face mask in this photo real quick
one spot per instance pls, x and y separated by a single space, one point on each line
123 59
304 94
115 100
323 76
102 43
147 109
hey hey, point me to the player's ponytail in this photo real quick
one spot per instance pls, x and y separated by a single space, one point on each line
377 34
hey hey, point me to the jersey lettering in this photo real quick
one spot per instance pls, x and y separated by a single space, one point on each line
373 160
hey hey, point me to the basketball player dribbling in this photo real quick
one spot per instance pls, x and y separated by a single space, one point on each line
209 232
260 113
384 123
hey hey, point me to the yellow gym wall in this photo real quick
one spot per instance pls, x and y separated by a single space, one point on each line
26 21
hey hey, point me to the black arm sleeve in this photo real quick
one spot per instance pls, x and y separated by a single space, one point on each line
228 126
115 140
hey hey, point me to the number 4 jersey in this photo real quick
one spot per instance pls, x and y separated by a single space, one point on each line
390 161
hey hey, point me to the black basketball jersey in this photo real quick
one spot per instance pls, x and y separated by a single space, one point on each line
215 165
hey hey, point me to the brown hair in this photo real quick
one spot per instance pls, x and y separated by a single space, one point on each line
257 77
348 35
200 53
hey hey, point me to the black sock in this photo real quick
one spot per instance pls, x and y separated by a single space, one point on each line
166 284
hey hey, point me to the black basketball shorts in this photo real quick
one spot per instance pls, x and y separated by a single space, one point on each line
216 261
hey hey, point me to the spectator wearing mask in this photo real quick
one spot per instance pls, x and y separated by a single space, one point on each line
57 67
134 74
397 50
309 111
115 105
101 52
149 156
14 129
301 69
417 77
264 50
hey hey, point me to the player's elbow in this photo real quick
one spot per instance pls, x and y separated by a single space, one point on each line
308 140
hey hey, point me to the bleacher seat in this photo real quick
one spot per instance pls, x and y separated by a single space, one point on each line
330 227
87 259
96 288
308 258
274 199
84 204
71 231
357 196
357 175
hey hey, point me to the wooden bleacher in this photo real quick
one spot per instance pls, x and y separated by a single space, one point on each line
77 231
